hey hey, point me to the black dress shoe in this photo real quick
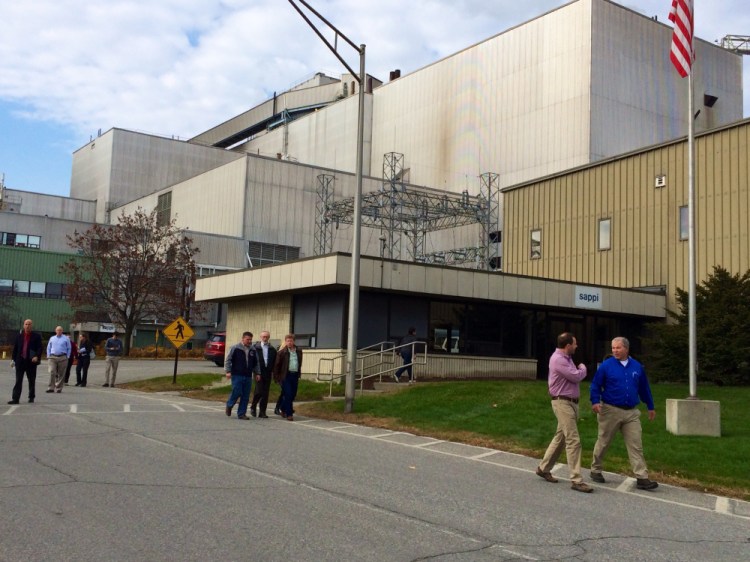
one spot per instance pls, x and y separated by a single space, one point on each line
277 412
13 402
105 384
262 416
229 411
49 390
242 418
253 412
31 400
78 384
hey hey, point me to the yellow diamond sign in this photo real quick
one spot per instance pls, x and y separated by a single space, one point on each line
178 332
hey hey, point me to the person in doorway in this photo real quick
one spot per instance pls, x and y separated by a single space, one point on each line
265 355
564 378
72 359
26 356
239 365
407 354
58 354
85 349
286 372
113 352
618 384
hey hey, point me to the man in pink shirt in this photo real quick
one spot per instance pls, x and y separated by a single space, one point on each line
563 381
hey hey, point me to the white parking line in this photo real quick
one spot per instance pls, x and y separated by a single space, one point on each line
10 410
723 505
74 408
626 485
126 407
178 407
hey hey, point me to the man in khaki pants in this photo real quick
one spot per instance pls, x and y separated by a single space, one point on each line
563 381
618 384
58 354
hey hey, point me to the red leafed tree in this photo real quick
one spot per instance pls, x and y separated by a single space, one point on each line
137 270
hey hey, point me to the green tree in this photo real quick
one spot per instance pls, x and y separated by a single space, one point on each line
134 271
722 305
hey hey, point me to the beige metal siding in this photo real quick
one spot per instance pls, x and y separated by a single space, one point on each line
646 249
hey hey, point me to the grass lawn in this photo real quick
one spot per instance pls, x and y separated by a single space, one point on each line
516 416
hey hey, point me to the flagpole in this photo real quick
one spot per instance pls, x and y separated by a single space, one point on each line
692 336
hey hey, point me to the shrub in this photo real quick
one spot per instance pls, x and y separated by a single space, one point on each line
722 333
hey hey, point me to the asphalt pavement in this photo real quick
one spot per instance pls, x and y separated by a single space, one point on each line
110 474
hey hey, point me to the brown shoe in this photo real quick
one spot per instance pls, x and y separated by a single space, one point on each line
242 418
290 418
546 475
581 487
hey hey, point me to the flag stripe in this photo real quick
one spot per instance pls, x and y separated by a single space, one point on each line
682 54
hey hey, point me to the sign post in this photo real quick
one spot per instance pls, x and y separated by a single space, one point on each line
179 333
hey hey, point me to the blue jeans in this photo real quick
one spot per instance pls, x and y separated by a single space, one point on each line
289 391
240 389
407 365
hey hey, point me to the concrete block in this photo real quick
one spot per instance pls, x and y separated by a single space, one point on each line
694 417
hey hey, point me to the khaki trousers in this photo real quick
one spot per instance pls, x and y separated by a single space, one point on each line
611 420
566 437
111 364
56 367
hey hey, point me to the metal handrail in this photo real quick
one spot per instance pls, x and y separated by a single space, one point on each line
387 352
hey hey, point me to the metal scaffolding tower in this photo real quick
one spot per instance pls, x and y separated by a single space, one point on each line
323 241
489 190
397 210
739 44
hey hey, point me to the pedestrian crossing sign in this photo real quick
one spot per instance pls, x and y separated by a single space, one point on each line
178 332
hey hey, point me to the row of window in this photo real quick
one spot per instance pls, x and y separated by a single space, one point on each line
35 289
20 240
605 234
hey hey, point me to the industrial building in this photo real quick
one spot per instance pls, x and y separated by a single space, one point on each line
623 222
579 84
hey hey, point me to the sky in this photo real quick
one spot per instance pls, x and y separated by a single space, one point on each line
72 68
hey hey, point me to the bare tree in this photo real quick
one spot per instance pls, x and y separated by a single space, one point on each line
9 315
137 270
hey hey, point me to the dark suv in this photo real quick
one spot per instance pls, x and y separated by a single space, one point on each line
215 348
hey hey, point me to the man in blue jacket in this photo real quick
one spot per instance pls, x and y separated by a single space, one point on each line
615 391
239 365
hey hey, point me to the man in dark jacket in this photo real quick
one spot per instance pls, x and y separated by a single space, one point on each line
406 354
286 372
27 353
265 355
239 365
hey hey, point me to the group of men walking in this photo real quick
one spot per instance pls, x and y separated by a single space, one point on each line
61 352
617 388
262 362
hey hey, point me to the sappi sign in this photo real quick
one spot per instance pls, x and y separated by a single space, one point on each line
588 297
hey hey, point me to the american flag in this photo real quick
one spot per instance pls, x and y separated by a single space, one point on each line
682 54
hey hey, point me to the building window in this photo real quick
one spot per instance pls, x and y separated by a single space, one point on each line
164 209
20 240
536 244
54 291
605 234
36 289
6 286
496 237
21 288
684 228
263 254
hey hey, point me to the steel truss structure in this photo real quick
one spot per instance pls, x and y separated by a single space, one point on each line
406 215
